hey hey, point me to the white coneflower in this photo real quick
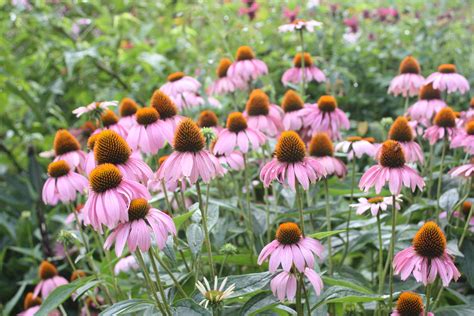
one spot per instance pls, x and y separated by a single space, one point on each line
214 295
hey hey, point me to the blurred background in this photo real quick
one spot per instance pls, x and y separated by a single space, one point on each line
58 55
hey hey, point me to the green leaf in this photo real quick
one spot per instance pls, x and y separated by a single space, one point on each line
180 219
195 238
249 283
322 235
128 306
348 284
258 303
456 310
465 264
188 307
62 293
340 294
11 303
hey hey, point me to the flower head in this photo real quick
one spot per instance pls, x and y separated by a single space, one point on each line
465 138
375 204
127 110
283 285
409 304
95 107
300 25
225 84
402 132
447 79
356 146
261 115
168 114
49 279
444 126
63 184
428 104
321 149
291 105
126 264
214 295
409 79
147 135
303 67
66 147
110 121
465 171
246 67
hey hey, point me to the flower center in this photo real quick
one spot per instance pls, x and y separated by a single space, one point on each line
77 274
236 122
409 65
321 145
109 118
138 209
470 128
400 130
288 233
327 103
162 159
391 155
147 116
430 241
354 139
188 137
175 76
64 142
224 65
207 119
291 102
290 148
110 147
47 270
427 92
214 296
31 301
163 104
300 57
244 53
128 107
58 169
105 177
445 118
409 304
91 141
258 103
466 208
375 200
447 68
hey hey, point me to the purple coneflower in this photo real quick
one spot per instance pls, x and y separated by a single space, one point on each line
263 116
409 304
169 117
66 147
402 132
300 25
127 111
126 264
444 126
299 71
465 171
94 107
447 79
50 279
292 117
409 80
375 204
465 138
429 103
110 121
246 67
147 135
63 184
356 146
225 84
178 83
321 149
284 284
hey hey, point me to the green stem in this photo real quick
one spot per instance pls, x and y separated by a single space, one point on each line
380 263
303 81
328 224
466 226
299 305
428 294
300 207
249 212
150 285
167 200
346 245
168 270
440 179
158 280
392 249
430 173
206 231
306 297
222 265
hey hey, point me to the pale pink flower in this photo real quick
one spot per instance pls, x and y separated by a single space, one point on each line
126 264
283 285
321 149
263 116
290 249
109 197
427 258
63 184
234 160
391 168
246 67
32 304
429 103
110 121
375 204
402 132
97 106
147 135
465 138
309 72
444 126
66 147
250 10
50 280
409 81
292 116
225 84
468 115
156 185
144 222
189 160
189 100
465 171
208 119
325 116
239 135
178 83
127 110
446 79
290 166
168 112
409 303
356 146
300 25
291 15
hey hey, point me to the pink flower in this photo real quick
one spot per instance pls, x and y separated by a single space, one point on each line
66 147
137 232
402 132
109 197
409 81
189 160
237 134
290 249
63 184
446 79
428 104
109 147
127 110
465 171
189 100
409 303
290 166
300 25
234 160
292 116
356 146
208 119
178 83
283 285
32 304
321 149
251 9
325 116
110 121
126 264
427 258
225 84
246 67
444 126
71 217
392 169
309 72
375 204
468 115
50 280
168 112
147 135
291 15
465 138
263 116
94 107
